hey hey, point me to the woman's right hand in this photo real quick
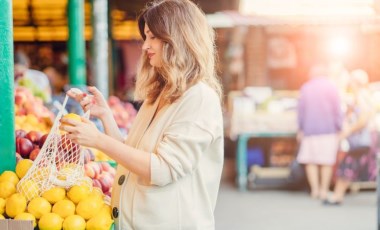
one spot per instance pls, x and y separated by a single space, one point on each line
95 102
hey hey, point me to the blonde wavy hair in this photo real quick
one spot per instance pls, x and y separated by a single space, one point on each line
188 51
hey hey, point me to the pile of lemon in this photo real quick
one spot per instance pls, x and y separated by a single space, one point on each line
77 208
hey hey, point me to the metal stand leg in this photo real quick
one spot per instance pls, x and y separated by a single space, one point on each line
241 162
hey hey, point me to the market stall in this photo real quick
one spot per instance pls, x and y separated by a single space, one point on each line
260 113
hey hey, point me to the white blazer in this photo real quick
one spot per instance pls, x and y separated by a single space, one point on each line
185 140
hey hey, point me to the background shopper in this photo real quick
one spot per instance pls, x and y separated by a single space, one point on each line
319 121
359 163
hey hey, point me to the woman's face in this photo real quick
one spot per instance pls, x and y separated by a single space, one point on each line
153 47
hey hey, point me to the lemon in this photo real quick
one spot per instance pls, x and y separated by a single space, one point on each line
26 216
89 207
64 208
10 177
15 205
50 221
100 221
7 189
78 193
41 174
2 205
39 206
74 222
2 217
29 189
54 194
22 167
107 210
71 116
96 193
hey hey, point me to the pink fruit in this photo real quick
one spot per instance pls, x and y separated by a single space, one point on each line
87 155
96 183
97 168
105 166
112 171
106 182
89 171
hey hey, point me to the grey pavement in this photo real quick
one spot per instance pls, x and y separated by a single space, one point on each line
269 209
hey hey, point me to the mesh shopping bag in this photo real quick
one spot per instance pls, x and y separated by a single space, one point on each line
59 163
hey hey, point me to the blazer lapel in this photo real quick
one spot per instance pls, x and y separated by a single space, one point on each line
142 123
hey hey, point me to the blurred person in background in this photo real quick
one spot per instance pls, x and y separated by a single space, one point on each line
169 167
359 163
319 123
35 80
58 78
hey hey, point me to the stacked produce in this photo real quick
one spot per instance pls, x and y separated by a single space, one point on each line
123 112
31 114
78 207
29 144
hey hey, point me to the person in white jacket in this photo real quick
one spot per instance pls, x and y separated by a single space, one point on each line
169 168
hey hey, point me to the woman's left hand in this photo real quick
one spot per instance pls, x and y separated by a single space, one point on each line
82 132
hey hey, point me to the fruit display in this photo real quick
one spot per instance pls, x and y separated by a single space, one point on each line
31 114
78 207
123 112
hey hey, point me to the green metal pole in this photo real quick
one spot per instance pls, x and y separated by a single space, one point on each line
77 56
7 117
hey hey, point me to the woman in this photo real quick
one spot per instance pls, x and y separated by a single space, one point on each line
360 162
169 168
319 121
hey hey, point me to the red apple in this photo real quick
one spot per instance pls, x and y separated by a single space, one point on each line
34 137
24 146
42 140
34 153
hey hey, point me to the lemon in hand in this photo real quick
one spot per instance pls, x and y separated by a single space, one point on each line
71 116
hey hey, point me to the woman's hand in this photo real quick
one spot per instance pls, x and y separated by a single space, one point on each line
95 103
82 132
